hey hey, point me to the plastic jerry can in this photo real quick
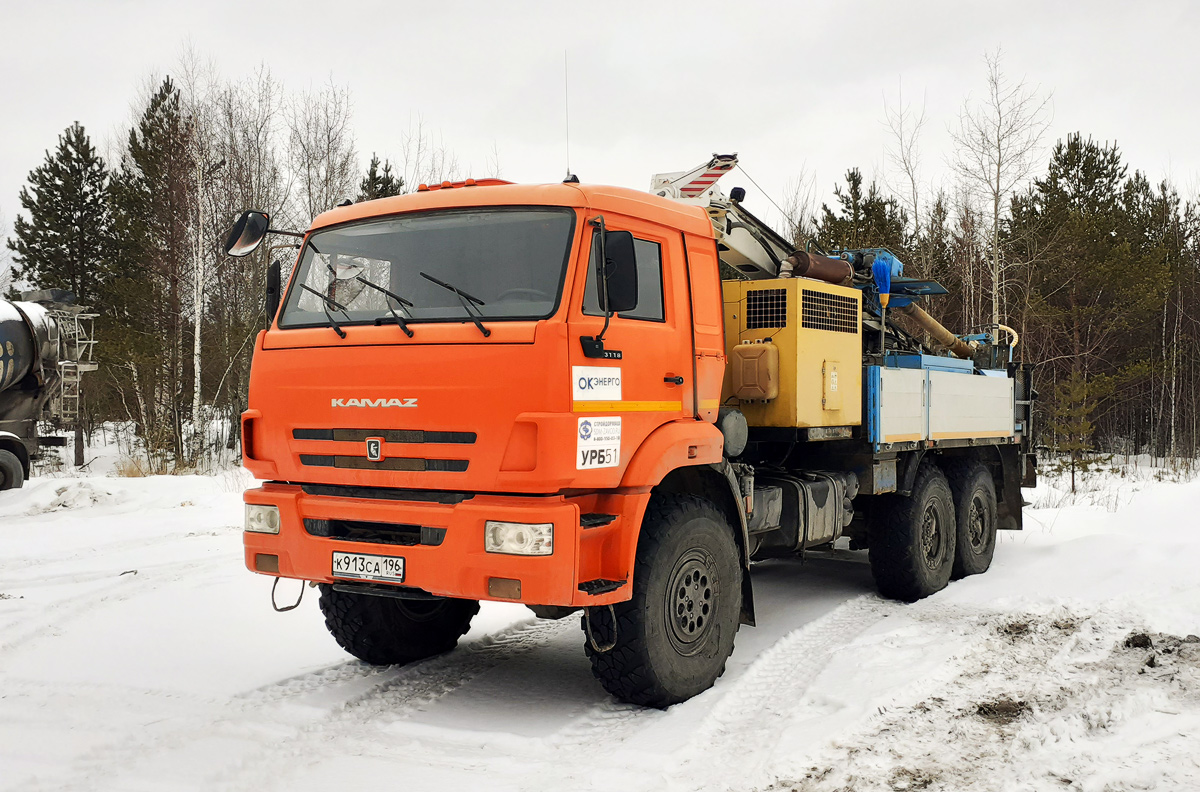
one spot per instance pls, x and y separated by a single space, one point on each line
755 370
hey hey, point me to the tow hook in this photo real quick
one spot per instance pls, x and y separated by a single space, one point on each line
286 608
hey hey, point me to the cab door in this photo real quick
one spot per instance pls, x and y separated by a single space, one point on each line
619 401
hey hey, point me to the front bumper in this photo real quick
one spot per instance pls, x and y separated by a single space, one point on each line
459 565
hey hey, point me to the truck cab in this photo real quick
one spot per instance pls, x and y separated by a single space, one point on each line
488 410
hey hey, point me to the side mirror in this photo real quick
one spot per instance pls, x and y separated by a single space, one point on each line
617 281
272 291
247 234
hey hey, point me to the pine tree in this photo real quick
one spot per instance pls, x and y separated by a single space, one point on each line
866 219
379 181
153 198
66 242
1098 284
1071 423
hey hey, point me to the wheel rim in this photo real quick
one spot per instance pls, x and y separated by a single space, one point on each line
977 527
932 539
691 601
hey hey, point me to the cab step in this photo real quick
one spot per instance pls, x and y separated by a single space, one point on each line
600 586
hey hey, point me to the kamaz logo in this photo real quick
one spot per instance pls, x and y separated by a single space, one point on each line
373 403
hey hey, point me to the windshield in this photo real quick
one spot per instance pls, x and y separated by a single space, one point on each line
511 260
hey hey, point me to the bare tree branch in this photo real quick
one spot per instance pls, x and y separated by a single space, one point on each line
996 141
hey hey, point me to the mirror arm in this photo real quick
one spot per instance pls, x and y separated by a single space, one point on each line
602 294
594 347
297 234
273 286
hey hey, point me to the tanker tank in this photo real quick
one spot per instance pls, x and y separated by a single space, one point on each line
45 343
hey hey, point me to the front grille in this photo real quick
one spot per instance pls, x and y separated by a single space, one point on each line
824 311
395 463
375 532
386 493
388 435
766 308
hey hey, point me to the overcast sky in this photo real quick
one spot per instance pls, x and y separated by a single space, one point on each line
792 87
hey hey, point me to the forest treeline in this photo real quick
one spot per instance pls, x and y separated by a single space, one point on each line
139 240
1091 263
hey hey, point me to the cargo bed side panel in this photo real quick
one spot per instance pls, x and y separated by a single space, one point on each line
963 406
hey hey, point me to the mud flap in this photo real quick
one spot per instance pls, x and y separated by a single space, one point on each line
743 541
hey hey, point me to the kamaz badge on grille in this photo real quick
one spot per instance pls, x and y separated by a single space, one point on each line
373 403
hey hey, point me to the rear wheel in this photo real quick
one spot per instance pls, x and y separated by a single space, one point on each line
912 543
675 634
12 474
387 631
975 515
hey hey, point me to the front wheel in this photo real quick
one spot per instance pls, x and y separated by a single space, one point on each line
387 631
12 475
676 632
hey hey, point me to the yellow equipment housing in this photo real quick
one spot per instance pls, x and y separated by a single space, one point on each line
817 328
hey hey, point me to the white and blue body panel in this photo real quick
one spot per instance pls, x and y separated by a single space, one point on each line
918 398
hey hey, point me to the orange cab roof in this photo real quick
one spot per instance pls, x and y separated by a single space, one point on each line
600 198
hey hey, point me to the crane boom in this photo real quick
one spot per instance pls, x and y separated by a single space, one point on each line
745 242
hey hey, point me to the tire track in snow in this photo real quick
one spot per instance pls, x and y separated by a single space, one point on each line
394 699
551 761
302 684
115 549
46 622
266 718
736 739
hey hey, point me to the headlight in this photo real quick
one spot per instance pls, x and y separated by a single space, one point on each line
518 538
262 519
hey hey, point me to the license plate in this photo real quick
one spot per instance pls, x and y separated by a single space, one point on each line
360 566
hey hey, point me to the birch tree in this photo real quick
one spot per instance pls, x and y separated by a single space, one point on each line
253 142
996 142
904 123
321 147
198 87
427 161
153 200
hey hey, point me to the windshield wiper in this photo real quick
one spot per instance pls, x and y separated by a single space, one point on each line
392 295
327 301
468 302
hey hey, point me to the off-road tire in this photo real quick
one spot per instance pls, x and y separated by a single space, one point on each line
912 540
387 631
687 567
12 475
975 515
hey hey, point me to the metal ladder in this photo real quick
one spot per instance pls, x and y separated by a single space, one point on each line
75 343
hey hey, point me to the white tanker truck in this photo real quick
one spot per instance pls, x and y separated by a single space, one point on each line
45 346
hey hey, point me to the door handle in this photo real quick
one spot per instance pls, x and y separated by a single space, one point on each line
673 380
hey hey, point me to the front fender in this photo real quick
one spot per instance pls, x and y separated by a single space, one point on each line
673 445
687 443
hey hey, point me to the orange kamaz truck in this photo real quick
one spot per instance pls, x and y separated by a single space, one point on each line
595 399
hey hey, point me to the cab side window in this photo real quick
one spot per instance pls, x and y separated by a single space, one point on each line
650 282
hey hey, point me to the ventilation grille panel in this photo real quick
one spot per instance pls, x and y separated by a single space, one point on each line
766 308
824 311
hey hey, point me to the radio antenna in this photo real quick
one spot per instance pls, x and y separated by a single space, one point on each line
567 116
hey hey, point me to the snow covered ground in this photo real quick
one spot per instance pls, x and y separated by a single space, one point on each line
137 653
